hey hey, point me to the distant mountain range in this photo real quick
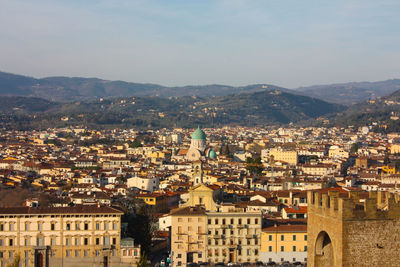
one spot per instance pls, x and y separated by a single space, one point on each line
65 89
351 93
248 109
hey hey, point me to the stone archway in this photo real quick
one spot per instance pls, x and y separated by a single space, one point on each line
324 253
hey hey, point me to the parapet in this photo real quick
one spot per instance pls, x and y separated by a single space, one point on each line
378 206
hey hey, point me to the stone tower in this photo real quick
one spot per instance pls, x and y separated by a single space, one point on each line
342 231
197 172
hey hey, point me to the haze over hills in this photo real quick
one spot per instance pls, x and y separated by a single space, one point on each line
65 89
249 109
352 92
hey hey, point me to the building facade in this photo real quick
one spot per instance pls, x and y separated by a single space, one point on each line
62 236
200 236
284 243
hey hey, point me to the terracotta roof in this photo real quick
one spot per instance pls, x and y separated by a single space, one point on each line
287 228
92 209
189 211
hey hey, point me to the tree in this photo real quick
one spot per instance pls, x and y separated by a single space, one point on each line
254 165
143 260
140 227
354 148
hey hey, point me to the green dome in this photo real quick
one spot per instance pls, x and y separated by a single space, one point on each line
199 134
212 154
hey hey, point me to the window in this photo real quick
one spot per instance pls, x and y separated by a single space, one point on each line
248 221
114 241
270 248
77 226
240 221
282 237
39 241
68 226
294 248
282 248
86 226
11 254
40 226
223 221
294 237
105 226
97 241
52 241
305 248
76 241
1 227
26 226
67 241
97 226
26 242
256 221
209 241
76 253
179 256
11 242
216 221
68 253
209 221
11 226
231 221
53 226
199 255
115 226
86 241
256 252
305 237
270 238
97 253
85 253
248 252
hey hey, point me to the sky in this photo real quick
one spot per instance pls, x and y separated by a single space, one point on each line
288 43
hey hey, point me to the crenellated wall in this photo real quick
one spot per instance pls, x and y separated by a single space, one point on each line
344 231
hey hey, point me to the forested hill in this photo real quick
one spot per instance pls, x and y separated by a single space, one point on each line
259 108
67 89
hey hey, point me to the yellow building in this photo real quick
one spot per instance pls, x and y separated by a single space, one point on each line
284 243
62 236
159 202
289 156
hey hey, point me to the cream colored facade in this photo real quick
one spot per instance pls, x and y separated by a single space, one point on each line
289 156
200 236
201 195
64 236
188 235
233 236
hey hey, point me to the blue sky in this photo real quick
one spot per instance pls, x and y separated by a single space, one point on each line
289 43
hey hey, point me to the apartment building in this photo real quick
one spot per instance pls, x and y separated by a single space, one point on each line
215 236
284 243
61 236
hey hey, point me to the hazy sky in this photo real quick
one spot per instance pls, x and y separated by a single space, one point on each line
283 42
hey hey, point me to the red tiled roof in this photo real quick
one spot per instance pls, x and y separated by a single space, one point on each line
92 209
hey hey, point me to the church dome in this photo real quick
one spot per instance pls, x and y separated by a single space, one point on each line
212 154
199 134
